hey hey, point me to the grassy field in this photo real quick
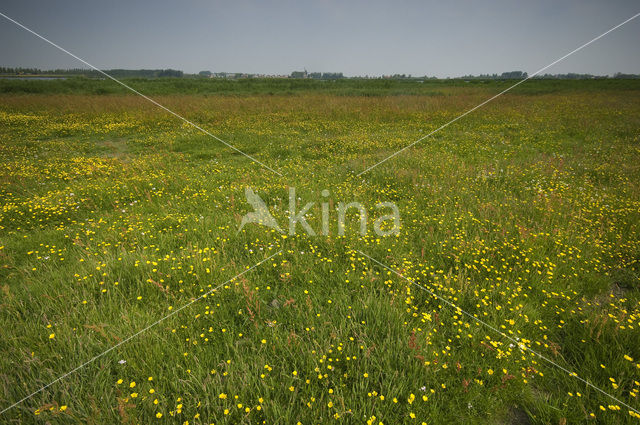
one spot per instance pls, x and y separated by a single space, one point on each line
525 214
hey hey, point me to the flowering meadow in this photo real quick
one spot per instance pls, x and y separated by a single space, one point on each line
520 238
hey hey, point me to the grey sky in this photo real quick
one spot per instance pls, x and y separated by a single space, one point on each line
444 38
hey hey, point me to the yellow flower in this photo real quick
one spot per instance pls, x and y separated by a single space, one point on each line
132 384
158 415
51 336
63 408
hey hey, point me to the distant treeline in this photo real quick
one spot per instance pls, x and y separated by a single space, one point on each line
173 73
117 73
520 75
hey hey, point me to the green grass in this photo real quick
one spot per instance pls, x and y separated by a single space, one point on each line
524 214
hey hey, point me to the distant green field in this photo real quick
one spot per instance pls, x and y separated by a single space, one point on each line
344 87
525 214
